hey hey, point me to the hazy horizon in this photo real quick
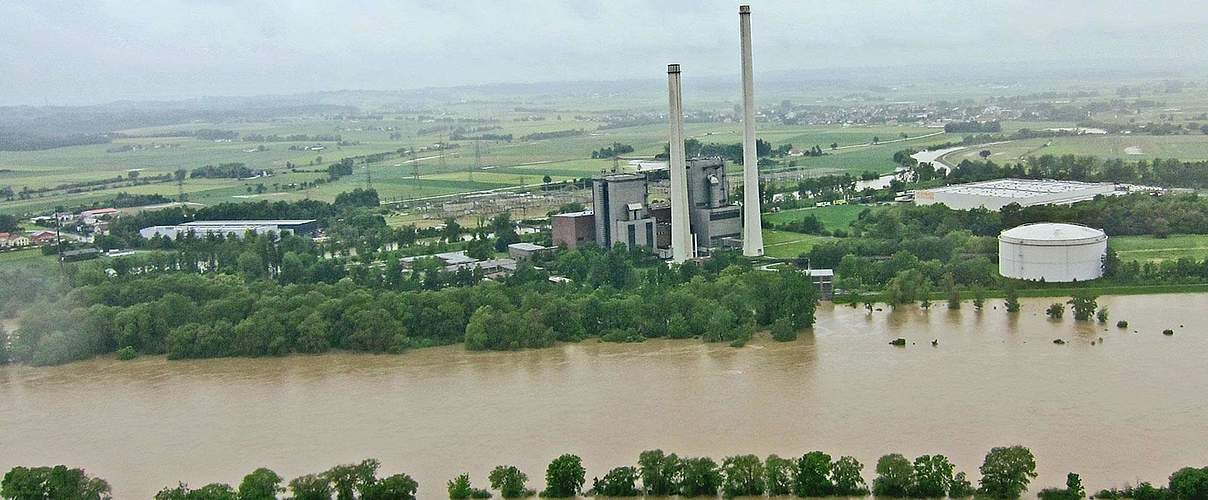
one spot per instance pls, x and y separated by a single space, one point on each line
63 52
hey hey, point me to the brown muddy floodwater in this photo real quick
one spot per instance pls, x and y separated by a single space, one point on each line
1132 407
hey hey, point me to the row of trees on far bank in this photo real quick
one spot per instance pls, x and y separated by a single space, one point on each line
162 309
1006 473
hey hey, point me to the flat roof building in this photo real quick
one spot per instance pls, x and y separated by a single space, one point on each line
521 251
232 228
574 229
995 194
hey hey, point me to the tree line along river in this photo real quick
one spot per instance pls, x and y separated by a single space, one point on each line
1128 406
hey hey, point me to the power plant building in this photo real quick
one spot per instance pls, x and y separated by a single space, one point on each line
620 210
1052 252
574 230
715 222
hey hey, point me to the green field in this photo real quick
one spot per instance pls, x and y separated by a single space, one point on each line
495 164
24 257
1127 147
833 217
787 245
1151 249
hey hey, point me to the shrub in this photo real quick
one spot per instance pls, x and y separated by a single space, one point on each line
126 353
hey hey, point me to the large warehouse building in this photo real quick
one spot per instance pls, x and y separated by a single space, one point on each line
1052 252
232 228
999 193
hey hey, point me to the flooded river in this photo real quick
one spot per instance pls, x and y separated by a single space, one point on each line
1132 407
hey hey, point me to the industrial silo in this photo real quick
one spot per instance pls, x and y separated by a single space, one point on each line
1053 252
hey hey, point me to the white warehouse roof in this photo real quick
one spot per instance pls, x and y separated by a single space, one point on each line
998 193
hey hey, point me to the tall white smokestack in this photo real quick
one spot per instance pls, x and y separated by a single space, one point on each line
752 228
681 236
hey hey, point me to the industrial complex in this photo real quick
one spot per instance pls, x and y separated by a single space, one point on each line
700 217
995 194
1052 252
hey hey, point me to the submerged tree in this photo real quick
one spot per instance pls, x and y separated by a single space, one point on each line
1007 471
1012 299
743 475
1084 304
564 477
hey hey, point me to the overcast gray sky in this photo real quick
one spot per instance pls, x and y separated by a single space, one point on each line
80 51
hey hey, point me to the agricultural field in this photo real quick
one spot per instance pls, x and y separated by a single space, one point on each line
21 258
468 167
1127 147
1151 249
788 245
833 217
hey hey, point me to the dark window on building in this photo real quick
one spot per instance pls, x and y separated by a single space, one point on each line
724 215
650 234
633 235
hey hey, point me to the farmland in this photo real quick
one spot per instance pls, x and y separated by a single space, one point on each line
1151 249
1127 147
465 168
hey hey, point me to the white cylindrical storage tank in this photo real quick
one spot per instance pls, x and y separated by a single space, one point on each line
1053 252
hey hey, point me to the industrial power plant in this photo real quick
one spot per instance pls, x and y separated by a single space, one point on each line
699 217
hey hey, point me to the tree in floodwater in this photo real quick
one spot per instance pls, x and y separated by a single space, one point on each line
215 491
813 475
847 473
261 484
778 475
954 293
509 481
1012 299
618 482
1056 310
932 476
310 487
564 477
979 297
1007 471
1073 490
56 482
895 476
661 474
1084 304
743 476
702 477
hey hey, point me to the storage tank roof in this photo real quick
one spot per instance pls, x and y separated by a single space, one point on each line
1052 231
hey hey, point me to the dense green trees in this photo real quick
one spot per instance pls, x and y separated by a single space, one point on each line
661 473
701 477
742 475
564 477
152 307
895 476
509 481
1073 490
618 482
1007 471
52 483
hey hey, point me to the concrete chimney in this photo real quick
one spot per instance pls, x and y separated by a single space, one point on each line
752 228
681 235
